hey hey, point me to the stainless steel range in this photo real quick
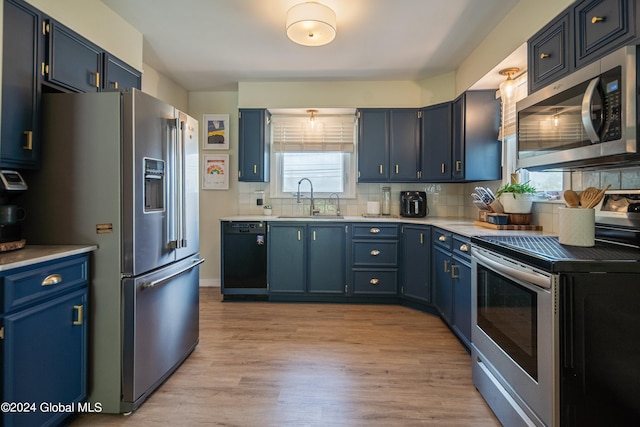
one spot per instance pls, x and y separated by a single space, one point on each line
555 338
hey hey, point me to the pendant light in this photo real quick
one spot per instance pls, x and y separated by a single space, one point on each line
311 24
508 87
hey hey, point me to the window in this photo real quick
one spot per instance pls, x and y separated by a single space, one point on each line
323 151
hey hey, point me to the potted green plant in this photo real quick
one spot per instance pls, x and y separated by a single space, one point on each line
516 198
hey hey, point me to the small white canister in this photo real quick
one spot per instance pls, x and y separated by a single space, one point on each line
373 208
577 226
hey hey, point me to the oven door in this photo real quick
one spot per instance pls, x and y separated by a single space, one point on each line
514 339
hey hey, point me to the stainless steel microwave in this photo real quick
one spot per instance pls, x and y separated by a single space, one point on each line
583 120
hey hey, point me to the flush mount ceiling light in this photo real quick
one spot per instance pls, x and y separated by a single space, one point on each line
311 24
507 87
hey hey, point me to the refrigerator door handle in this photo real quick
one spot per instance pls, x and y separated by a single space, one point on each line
172 202
196 262
182 226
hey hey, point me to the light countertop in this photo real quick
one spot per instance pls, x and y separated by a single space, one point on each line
462 226
33 254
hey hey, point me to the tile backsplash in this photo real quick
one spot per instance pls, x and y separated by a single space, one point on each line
443 200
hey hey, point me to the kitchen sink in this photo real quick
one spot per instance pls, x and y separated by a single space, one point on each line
311 217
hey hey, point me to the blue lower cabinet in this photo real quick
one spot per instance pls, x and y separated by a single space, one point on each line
286 257
307 258
44 345
416 262
375 259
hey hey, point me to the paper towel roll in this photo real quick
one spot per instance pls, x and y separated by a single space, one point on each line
577 226
373 208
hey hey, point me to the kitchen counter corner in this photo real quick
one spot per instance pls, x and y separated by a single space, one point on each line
33 254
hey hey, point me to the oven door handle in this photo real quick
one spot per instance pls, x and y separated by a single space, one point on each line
525 276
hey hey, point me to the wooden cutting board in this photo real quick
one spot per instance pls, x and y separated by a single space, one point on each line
507 226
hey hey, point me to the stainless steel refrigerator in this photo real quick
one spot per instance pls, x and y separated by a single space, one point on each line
121 171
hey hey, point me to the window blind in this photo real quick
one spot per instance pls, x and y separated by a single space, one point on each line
328 133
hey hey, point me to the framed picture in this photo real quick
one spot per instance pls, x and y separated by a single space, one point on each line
215 172
215 132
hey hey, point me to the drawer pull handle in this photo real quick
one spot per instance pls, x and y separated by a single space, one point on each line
544 55
374 281
78 309
52 279
597 19
464 248
375 252
442 238
454 275
374 230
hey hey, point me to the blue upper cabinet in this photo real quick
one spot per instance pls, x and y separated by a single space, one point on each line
549 52
73 62
601 26
22 43
477 152
373 144
253 145
118 75
388 144
435 143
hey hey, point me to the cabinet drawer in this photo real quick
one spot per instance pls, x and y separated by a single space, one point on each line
28 285
443 239
378 231
375 281
377 253
462 246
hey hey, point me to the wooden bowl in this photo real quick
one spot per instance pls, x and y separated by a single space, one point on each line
519 219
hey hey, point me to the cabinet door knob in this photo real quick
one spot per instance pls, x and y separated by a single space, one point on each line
52 279
374 281
374 230
597 19
544 55
375 252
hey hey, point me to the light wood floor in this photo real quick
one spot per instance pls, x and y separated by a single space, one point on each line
271 364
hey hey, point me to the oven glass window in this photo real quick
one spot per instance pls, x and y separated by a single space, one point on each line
507 312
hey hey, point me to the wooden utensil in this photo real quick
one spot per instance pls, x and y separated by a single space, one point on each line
597 198
571 198
587 195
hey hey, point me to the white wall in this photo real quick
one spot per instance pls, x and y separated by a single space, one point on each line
158 85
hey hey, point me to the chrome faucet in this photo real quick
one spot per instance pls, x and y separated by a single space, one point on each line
338 201
312 207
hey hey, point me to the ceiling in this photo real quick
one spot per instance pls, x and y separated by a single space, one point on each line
211 45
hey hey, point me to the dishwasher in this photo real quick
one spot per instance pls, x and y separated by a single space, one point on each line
244 260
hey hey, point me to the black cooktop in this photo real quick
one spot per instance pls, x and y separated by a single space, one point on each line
547 253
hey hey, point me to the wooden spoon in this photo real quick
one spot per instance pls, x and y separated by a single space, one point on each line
587 195
571 198
597 198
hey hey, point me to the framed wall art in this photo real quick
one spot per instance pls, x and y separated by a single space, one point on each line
215 132
215 172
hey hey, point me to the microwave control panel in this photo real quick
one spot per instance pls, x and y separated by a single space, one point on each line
612 100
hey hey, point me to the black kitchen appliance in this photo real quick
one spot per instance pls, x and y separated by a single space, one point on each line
11 185
574 361
244 260
413 204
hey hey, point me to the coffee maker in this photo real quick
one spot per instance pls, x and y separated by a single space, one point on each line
11 216
413 204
